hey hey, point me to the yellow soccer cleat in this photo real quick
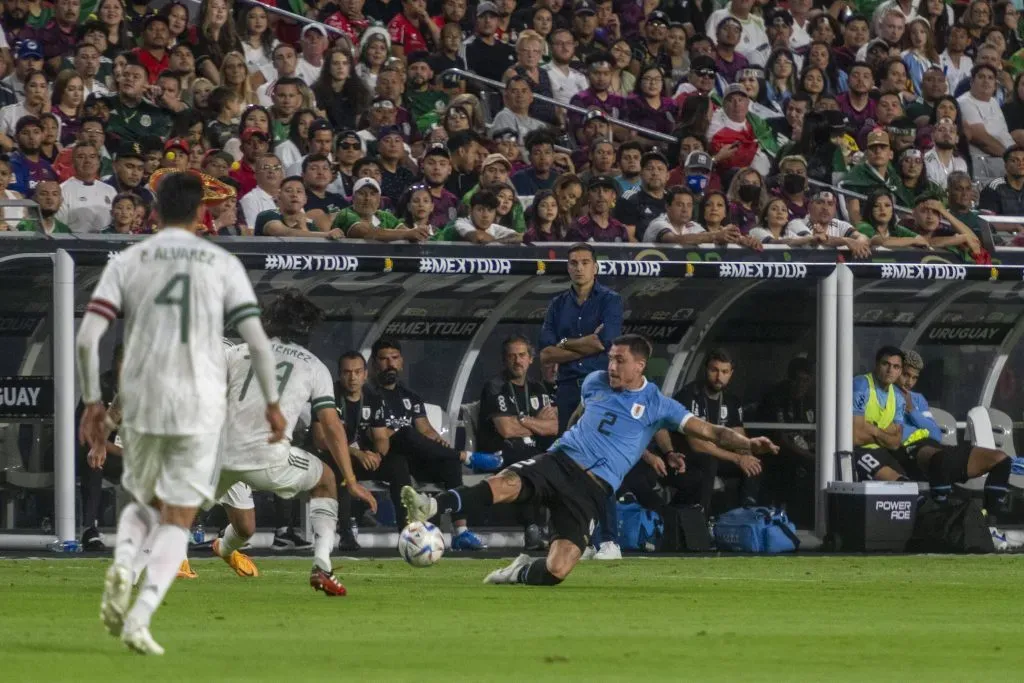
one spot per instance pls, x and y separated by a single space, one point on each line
185 571
242 564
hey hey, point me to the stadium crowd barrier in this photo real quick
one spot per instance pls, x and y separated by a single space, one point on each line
450 307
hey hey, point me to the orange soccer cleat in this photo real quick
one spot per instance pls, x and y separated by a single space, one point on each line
185 571
242 564
326 582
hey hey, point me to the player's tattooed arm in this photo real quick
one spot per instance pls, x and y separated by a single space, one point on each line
730 440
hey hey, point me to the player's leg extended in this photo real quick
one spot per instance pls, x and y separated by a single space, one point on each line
504 487
241 512
998 465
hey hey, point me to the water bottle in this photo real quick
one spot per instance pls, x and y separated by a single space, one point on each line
65 547
198 534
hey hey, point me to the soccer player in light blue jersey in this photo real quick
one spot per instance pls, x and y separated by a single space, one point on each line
619 413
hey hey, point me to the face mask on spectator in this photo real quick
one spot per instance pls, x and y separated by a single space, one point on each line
793 183
749 193
696 183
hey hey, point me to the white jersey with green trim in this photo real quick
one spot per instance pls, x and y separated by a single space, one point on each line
177 293
302 379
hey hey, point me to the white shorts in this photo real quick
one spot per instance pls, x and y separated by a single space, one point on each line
178 470
300 472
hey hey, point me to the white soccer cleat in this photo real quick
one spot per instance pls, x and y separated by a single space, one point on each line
117 591
138 639
419 507
509 574
609 550
999 539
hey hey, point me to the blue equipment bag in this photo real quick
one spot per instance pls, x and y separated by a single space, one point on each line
638 527
756 530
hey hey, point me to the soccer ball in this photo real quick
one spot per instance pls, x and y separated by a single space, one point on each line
421 544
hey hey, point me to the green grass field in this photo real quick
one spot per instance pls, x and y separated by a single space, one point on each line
731 619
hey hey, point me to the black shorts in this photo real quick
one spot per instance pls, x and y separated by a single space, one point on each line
575 499
868 461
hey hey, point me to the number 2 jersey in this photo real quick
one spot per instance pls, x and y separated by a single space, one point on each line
177 292
617 425
302 379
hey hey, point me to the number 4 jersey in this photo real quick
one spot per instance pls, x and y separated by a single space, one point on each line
302 379
177 292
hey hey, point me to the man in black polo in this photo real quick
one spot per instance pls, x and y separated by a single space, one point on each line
356 402
640 206
518 419
707 399
1005 196
483 52
399 424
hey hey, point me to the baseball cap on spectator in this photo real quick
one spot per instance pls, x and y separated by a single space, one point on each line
878 137
249 132
381 102
29 49
218 154
437 149
487 7
94 99
151 143
877 44
492 159
154 17
726 20
504 135
657 17
700 160
777 15
26 121
702 63
653 155
911 153
129 150
313 27
902 126
606 181
366 182
733 89
418 56
318 125
823 196
177 143
585 7
391 130
595 115
450 80
347 135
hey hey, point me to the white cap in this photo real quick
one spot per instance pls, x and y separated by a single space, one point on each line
366 182
313 27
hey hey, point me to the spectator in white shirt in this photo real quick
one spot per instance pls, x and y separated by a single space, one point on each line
480 227
263 197
774 226
822 224
565 81
985 124
942 159
955 64
754 44
676 225
87 201
314 44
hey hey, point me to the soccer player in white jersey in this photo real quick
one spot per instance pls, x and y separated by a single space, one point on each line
177 293
249 462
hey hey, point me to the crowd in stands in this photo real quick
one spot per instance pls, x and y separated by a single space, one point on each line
354 127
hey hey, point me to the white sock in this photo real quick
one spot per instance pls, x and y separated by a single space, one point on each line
170 546
323 516
132 531
460 527
231 542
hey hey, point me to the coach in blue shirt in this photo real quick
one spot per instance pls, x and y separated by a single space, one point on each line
578 329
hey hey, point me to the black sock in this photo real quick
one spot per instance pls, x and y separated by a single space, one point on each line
997 487
465 499
938 477
536 574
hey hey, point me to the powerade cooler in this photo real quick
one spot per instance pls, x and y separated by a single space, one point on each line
871 515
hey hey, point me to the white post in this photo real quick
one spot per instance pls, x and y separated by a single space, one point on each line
826 398
64 394
844 359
